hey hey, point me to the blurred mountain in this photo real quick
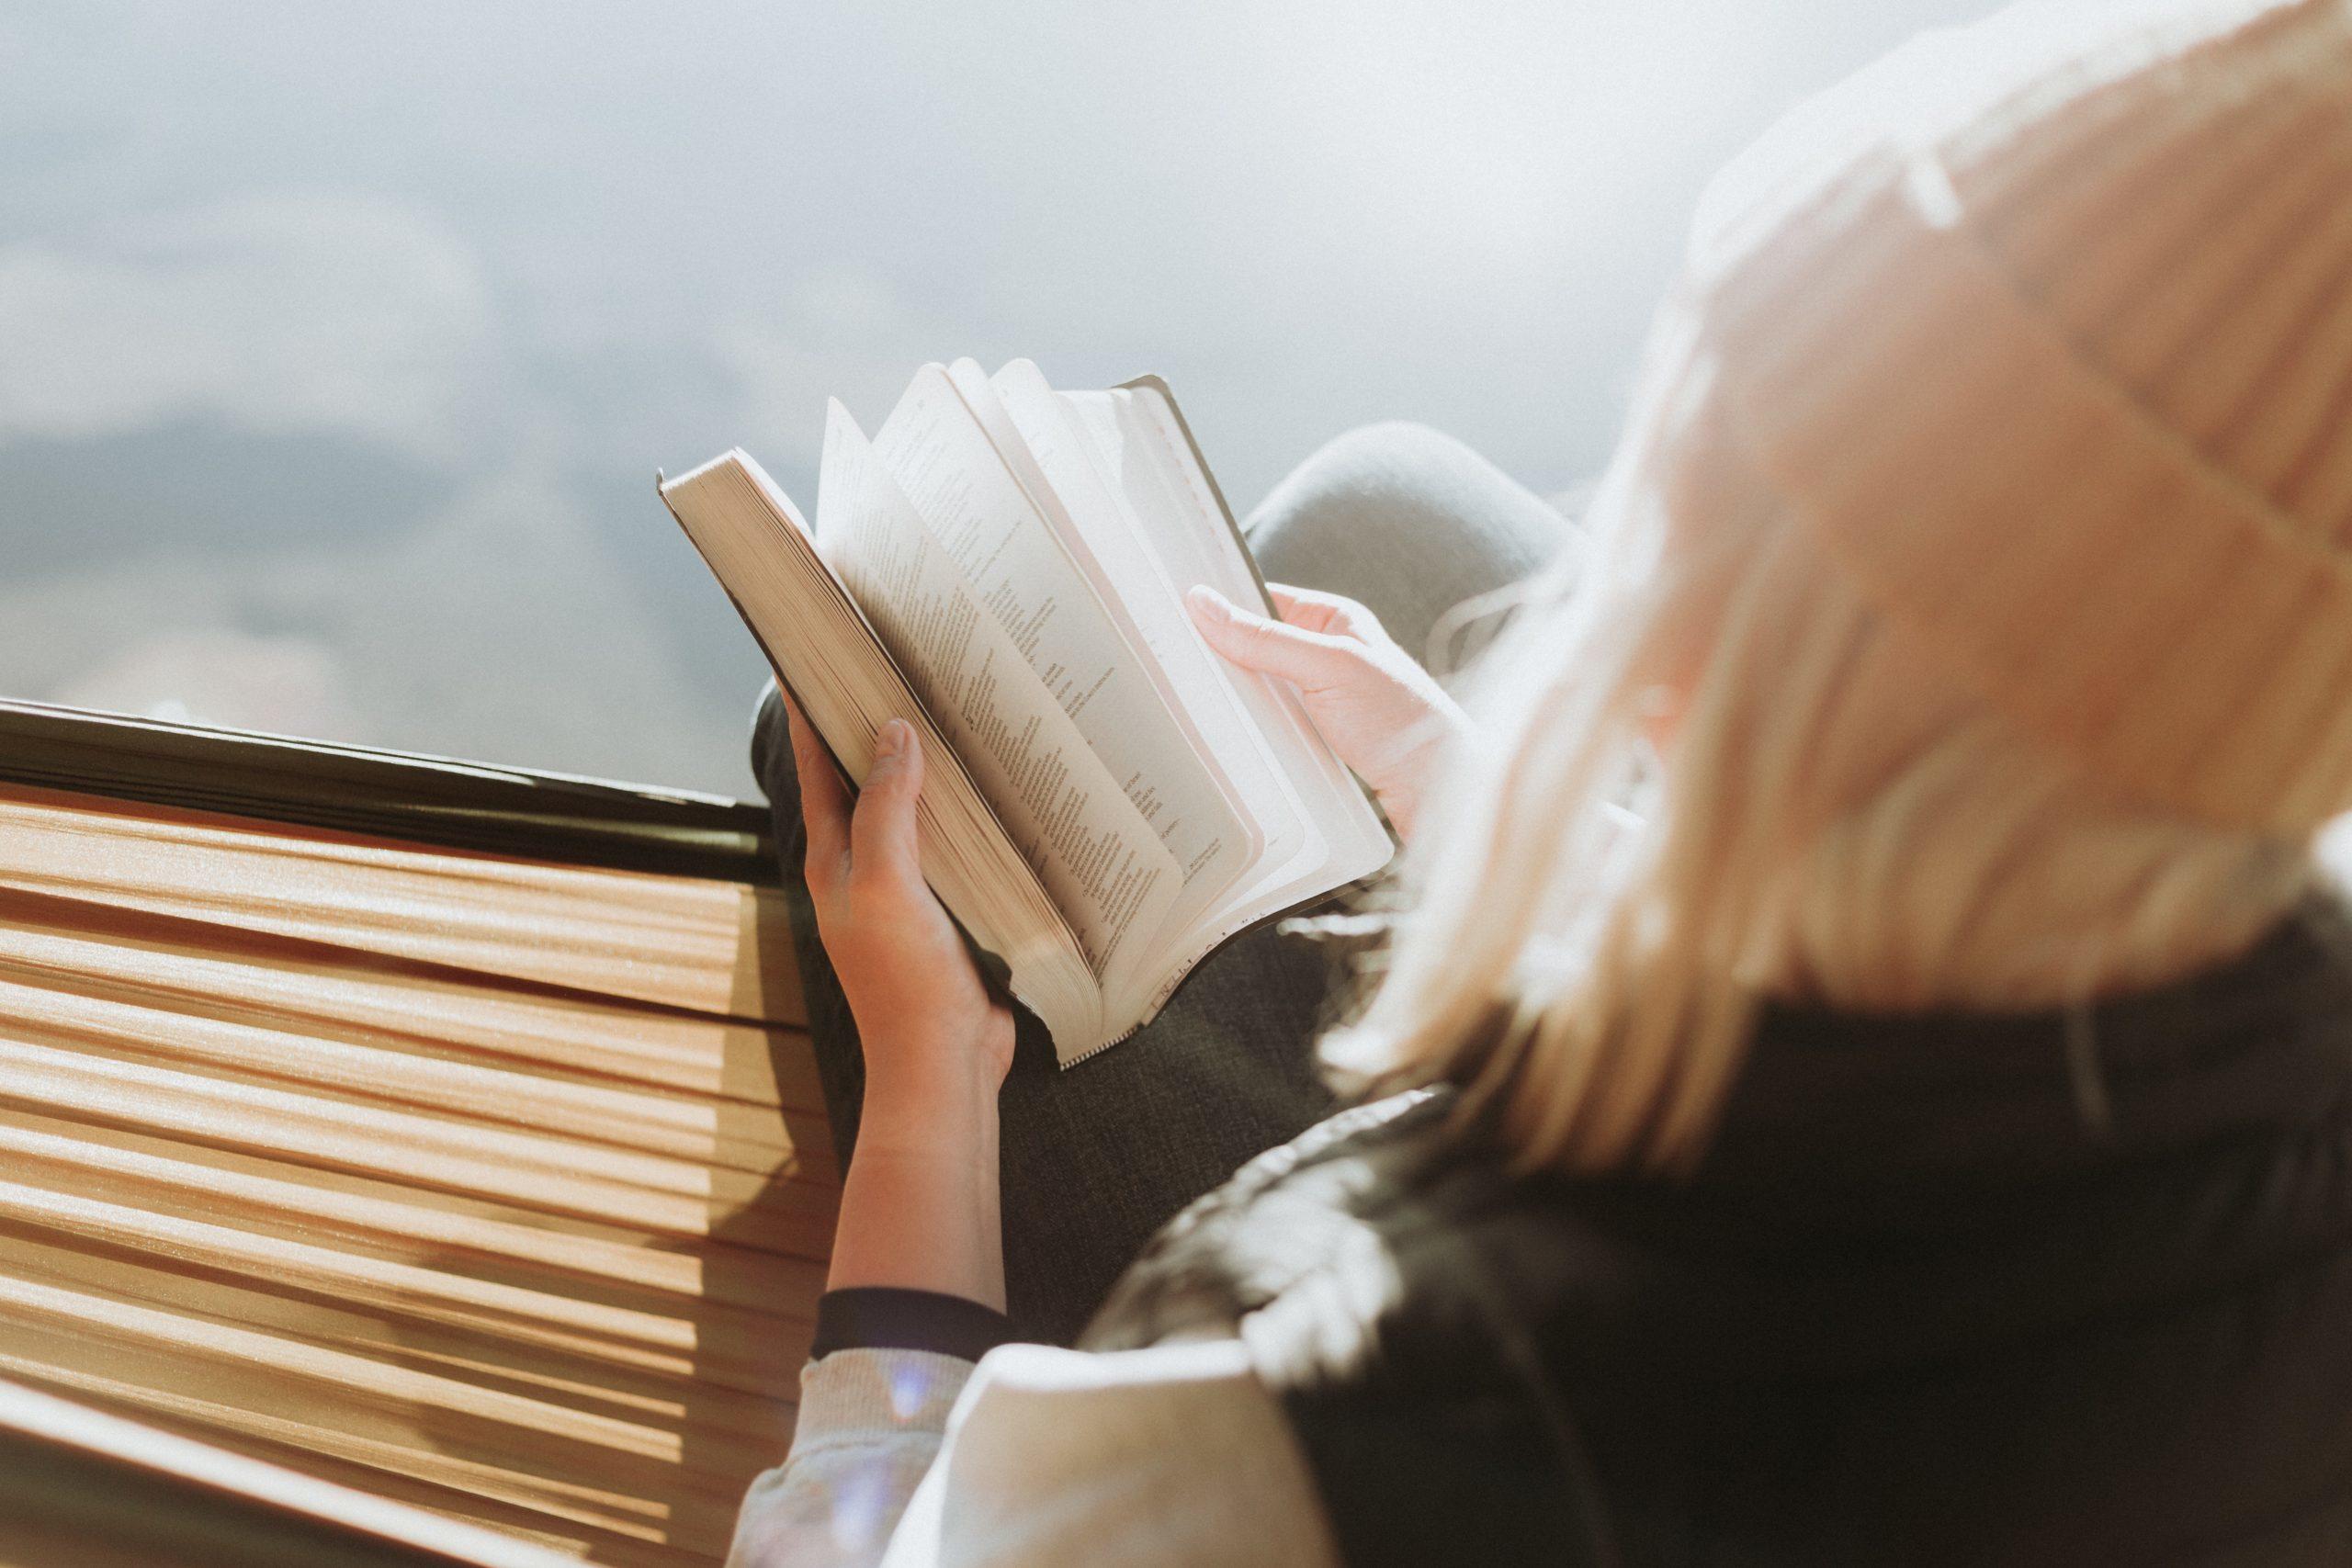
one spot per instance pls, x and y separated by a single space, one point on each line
498 628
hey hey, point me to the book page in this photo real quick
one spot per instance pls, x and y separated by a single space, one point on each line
1024 578
1145 456
1144 448
1103 862
1133 566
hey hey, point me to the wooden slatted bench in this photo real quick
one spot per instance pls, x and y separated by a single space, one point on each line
442 1134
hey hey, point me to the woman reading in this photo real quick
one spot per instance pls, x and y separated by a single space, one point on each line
1862 1071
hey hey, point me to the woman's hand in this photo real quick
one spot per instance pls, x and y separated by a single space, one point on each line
1386 715
919 1205
925 1018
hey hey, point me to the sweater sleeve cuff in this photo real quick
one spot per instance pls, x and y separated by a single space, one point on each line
883 1317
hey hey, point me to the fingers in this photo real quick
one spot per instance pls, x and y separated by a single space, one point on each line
824 803
1255 642
873 841
1317 611
882 829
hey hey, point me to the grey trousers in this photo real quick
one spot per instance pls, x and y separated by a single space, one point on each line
1095 1158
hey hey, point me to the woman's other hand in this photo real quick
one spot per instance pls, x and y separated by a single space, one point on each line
1386 715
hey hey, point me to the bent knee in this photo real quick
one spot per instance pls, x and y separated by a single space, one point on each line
1375 488
1395 461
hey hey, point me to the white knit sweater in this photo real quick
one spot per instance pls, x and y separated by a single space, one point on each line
1036 1458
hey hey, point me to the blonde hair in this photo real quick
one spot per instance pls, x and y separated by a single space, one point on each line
1981 548
1836 819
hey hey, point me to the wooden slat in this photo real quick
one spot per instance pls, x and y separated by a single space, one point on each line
80 1485
272 1199
710 946
674 1197
577 1520
728 1346
657 1121
337 993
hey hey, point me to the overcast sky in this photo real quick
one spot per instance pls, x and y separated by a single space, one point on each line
338 343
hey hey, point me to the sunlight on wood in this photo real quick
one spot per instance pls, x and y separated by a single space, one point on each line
496 1188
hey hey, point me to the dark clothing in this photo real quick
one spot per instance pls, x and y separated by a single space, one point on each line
1914 1307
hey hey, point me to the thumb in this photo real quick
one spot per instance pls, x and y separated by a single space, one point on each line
882 828
1258 642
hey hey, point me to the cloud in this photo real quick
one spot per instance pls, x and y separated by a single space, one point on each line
836 331
502 627
273 314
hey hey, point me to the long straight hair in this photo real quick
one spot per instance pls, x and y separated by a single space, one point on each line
1712 773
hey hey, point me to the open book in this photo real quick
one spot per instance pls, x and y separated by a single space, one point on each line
1106 800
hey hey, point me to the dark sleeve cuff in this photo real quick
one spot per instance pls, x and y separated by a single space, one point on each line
883 1317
